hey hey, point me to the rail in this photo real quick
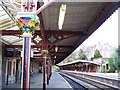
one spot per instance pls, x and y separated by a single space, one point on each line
100 82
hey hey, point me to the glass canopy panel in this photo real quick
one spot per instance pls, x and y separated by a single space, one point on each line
6 11
11 39
5 20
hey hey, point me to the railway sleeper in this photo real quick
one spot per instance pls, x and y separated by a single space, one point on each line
98 84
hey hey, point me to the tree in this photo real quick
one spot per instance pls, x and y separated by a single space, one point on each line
74 56
114 62
111 65
55 68
97 54
118 59
71 58
82 55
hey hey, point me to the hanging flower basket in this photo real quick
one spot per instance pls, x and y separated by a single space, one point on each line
27 22
44 52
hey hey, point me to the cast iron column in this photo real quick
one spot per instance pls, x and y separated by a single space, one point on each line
27 23
26 62
44 53
44 72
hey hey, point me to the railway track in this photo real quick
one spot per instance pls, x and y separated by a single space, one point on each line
96 84
73 84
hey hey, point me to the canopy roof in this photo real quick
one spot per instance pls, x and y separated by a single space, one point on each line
81 20
79 61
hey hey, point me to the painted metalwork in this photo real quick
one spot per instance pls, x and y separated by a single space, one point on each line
28 21
26 62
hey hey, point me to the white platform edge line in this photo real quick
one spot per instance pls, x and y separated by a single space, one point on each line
66 82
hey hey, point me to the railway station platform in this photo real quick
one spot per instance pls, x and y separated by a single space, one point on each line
32 41
100 80
56 81
112 76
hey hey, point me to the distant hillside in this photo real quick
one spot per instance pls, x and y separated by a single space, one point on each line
105 49
87 52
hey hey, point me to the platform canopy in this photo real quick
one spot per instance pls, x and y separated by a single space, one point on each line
80 21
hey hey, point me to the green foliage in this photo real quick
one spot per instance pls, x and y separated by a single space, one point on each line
82 55
114 62
71 58
96 55
76 55
44 52
55 68
117 62
92 58
111 65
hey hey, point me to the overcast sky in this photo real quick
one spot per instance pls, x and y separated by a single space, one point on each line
106 33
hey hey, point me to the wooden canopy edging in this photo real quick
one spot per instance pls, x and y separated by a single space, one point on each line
47 32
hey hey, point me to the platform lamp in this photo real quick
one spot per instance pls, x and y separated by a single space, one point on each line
56 49
55 57
27 22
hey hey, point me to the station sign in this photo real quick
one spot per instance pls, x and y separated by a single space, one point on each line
9 49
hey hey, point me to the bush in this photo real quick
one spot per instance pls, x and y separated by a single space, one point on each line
55 68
